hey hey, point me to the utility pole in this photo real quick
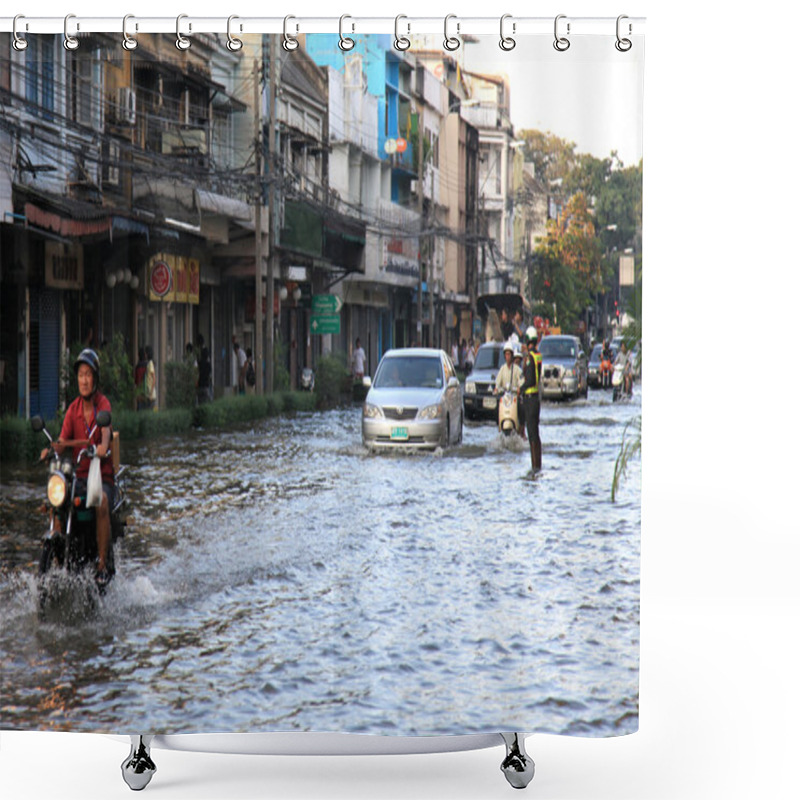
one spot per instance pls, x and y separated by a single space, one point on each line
259 315
421 211
274 211
431 256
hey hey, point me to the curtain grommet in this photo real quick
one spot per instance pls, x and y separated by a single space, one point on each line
507 43
623 44
19 42
561 43
451 43
346 44
181 42
289 41
70 42
401 43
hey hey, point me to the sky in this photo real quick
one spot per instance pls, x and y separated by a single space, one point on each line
591 94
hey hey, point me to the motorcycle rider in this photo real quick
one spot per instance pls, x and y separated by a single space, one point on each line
79 420
606 358
532 374
623 360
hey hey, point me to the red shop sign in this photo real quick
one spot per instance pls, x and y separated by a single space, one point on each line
160 279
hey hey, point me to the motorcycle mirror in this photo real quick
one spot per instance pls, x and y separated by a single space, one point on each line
37 423
103 418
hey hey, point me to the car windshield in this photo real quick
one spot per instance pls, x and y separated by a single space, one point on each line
557 348
488 358
596 350
417 371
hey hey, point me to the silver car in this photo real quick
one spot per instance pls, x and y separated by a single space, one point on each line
564 368
415 401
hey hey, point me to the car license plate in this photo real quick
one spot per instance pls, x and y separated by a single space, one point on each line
400 433
490 402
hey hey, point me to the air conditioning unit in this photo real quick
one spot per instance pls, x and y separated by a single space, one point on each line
126 106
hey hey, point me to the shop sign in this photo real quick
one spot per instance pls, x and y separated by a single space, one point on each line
174 279
63 266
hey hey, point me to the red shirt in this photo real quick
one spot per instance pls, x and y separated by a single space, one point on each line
75 427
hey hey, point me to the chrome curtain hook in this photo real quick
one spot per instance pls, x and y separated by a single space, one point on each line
561 43
401 42
234 43
451 42
289 42
345 42
181 42
623 45
70 42
19 42
128 41
506 42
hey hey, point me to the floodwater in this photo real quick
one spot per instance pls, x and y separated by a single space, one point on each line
279 577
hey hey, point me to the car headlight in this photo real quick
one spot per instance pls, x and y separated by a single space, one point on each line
372 412
431 412
470 387
56 489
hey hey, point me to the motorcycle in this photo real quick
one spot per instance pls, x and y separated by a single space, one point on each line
621 386
307 379
70 543
507 412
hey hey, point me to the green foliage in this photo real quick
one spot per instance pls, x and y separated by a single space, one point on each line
553 158
181 384
332 380
629 448
568 264
18 440
116 373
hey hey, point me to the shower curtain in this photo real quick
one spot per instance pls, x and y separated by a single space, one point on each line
305 208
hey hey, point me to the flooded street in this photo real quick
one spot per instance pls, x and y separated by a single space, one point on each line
281 577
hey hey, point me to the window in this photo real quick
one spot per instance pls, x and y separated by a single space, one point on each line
40 57
85 90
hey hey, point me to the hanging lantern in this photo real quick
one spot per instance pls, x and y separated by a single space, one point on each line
283 293
111 280
134 282
120 275
297 294
127 275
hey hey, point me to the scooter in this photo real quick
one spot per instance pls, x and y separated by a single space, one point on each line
70 543
507 412
621 387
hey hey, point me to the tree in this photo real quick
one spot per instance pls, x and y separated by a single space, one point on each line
569 262
553 157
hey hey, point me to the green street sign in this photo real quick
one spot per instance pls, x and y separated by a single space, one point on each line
325 323
326 304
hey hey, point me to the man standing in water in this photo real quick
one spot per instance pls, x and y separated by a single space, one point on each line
532 373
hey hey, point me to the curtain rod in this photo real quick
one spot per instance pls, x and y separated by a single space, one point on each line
187 25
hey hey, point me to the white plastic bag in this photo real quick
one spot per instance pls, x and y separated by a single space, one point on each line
94 486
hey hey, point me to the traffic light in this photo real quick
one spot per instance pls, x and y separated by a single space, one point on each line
616 309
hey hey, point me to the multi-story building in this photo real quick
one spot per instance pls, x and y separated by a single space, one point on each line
115 192
489 112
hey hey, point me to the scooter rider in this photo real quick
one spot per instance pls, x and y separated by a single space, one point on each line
532 374
79 420
509 374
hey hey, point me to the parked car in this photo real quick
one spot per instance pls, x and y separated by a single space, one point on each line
479 398
415 400
565 373
594 363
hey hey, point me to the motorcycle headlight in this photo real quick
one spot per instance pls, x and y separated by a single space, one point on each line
56 489
470 387
372 412
431 412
